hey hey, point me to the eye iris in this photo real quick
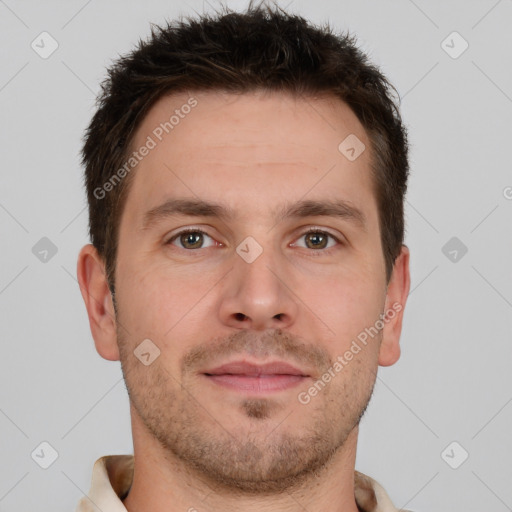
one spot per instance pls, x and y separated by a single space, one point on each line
193 238
318 239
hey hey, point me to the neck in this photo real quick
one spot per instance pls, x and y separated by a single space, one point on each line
164 483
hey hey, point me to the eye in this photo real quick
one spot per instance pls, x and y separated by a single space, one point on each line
191 238
317 239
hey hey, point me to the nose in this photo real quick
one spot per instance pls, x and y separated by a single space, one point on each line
258 295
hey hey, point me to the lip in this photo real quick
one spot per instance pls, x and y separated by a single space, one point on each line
246 377
250 369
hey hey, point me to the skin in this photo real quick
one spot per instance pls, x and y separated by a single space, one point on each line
200 445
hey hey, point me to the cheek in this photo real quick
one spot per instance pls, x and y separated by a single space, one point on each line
162 303
348 306
140 295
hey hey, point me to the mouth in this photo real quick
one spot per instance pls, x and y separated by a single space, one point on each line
246 377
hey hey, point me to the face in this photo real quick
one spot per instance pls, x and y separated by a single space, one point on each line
281 264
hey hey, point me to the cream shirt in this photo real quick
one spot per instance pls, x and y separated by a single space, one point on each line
112 476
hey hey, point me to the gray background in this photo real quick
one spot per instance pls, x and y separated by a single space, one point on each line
452 382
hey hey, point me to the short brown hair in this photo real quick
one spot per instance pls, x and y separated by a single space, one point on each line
261 48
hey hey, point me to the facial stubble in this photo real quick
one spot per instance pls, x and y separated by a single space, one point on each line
257 459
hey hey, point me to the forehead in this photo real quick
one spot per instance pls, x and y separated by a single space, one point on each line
216 119
249 150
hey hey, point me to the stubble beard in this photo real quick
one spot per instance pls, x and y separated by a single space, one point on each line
257 460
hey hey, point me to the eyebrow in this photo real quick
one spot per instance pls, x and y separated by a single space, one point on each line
338 208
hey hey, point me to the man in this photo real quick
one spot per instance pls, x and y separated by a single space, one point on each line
246 176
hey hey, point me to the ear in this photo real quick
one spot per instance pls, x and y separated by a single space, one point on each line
396 297
98 301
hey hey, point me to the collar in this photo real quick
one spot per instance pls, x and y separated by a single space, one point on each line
112 477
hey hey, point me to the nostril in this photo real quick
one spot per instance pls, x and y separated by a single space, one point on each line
240 316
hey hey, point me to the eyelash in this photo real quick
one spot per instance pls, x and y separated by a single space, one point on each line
309 230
